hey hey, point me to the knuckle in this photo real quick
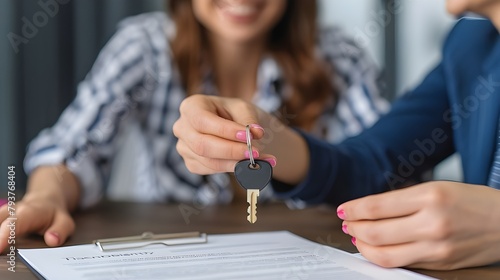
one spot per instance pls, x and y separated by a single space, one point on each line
237 152
3 225
184 104
192 168
441 229
218 165
437 196
22 210
199 124
223 130
243 106
382 259
444 251
181 148
385 261
188 103
176 129
373 208
178 147
373 236
215 165
199 147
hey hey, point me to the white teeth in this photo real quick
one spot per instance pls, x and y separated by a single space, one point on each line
240 10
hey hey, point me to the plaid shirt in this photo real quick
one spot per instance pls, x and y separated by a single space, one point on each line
135 80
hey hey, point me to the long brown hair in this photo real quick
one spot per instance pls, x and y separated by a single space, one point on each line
292 43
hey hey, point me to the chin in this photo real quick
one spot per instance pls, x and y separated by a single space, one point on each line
456 7
239 36
241 41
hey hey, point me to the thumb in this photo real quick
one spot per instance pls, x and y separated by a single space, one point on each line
243 114
62 227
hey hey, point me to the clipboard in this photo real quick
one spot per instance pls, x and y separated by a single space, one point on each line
269 254
149 238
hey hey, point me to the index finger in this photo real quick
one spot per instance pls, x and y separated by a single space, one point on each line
4 229
224 117
392 204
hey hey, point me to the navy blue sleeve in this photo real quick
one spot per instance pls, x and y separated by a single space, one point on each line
412 138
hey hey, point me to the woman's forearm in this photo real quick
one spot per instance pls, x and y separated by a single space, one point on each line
55 183
290 149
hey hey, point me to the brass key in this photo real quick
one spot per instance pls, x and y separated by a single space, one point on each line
253 178
252 195
253 175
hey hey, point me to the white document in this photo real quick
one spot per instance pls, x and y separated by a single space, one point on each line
264 255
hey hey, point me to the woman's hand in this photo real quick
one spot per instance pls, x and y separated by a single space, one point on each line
212 138
436 225
53 192
212 135
40 216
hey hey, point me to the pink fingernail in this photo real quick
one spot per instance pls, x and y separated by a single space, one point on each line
341 214
344 229
271 161
242 135
257 126
255 154
3 201
353 240
56 236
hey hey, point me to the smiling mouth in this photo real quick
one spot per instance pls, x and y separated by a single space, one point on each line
239 11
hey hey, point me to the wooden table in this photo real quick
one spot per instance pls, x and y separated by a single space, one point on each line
112 219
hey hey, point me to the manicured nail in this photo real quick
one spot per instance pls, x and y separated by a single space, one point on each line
56 236
255 154
242 135
341 214
353 240
258 127
344 229
271 161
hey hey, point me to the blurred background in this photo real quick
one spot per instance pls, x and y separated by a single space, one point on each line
44 53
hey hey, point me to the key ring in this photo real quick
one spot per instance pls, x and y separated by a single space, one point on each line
249 145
